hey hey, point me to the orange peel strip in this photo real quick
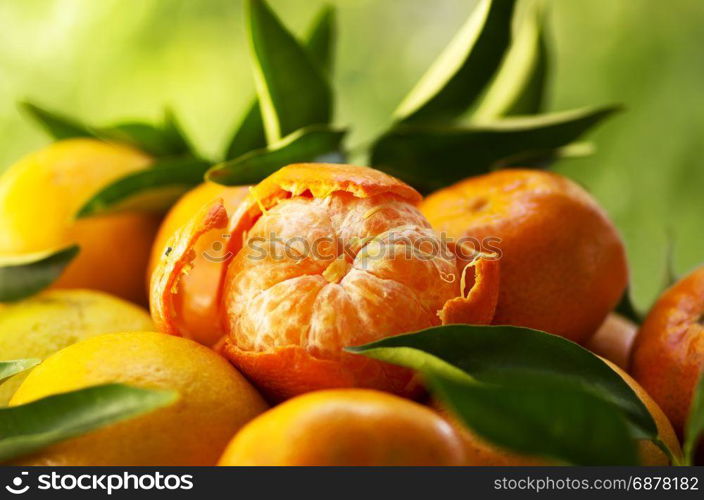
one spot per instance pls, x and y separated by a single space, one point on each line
167 275
479 305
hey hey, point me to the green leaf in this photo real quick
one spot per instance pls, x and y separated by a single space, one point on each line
548 419
515 357
695 423
160 141
519 86
10 368
431 157
153 189
293 91
305 145
26 275
140 135
249 135
543 158
458 77
33 426
57 125
175 138
167 140
320 41
627 308
320 44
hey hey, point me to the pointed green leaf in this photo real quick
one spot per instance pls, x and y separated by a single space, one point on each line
514 357
26 275
627 308
543 158
174 137
10 368
167 140
320 44
57 125
143 136
33 426
458 77
153 189
250 133
695 423
293 91
305 145
431 157
548 419
160 141
519 86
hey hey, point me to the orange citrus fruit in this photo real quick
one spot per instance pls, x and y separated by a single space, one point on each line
41 325
668 353
614 339
563 265
346 427
323 257
199 310
479 452
39 198
214 400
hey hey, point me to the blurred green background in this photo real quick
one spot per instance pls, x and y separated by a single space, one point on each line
112 59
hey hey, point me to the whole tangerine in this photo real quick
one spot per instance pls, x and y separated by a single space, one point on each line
563 264
346 427
63 176
668 352
214 401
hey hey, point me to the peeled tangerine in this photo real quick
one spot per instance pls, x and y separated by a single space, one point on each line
321 257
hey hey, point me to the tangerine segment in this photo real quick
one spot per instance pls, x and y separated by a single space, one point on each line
668 352
199 306
563 265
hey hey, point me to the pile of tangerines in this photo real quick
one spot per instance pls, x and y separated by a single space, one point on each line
255 291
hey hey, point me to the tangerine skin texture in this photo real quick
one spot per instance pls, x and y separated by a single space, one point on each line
563 265
199 306
346 427
668 352
214 401
479 452
325 257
